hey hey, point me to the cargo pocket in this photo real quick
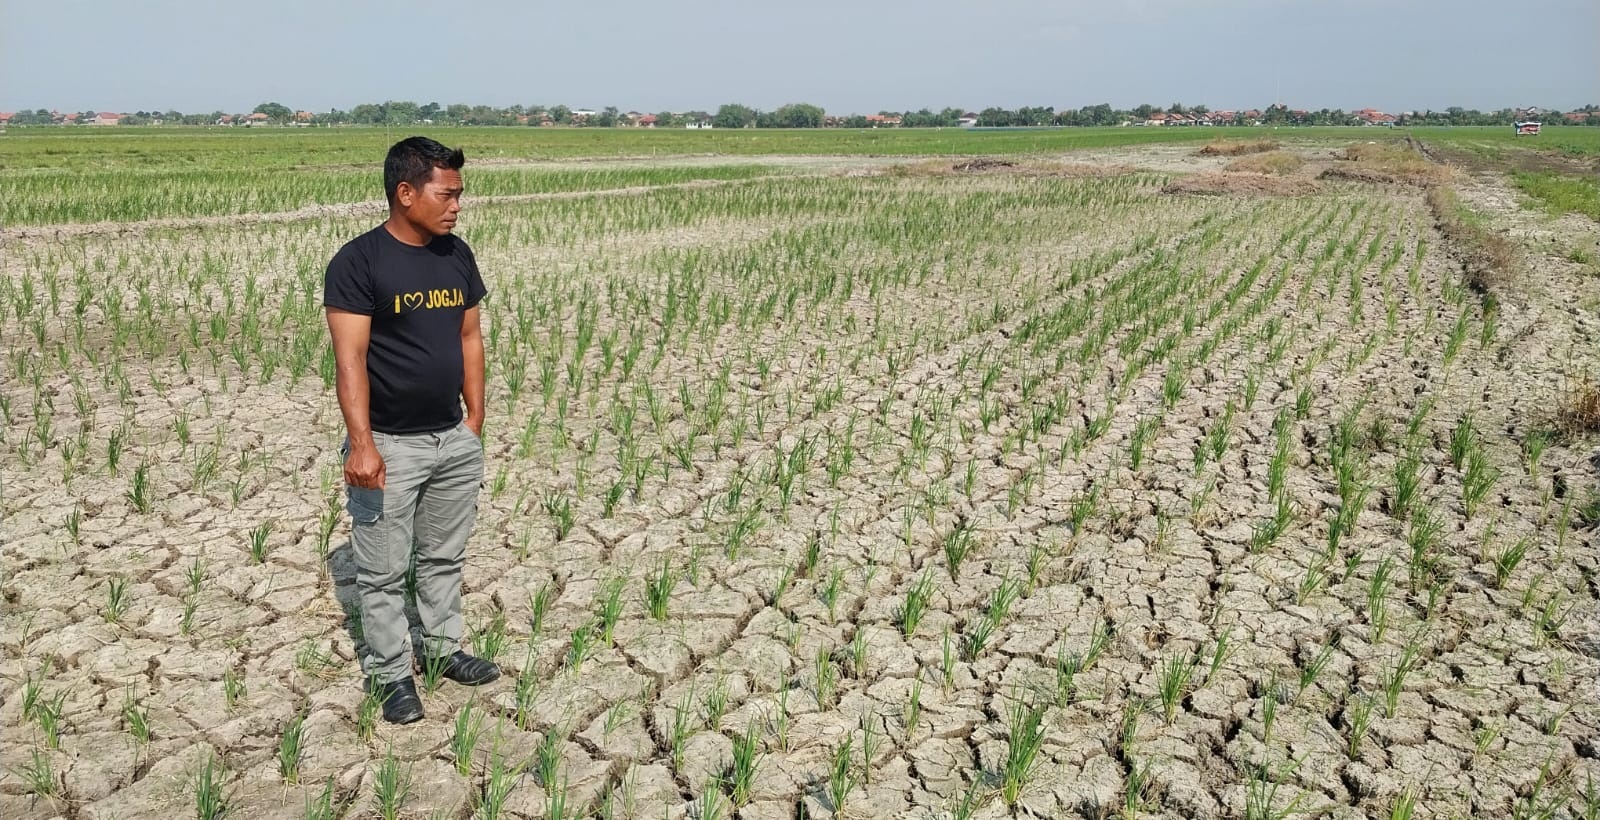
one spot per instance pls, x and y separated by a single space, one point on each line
365 506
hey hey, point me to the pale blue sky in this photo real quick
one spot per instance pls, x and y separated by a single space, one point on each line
846 55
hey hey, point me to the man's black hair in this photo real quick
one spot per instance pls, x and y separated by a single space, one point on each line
413 160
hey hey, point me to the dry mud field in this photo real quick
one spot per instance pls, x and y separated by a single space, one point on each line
1045 490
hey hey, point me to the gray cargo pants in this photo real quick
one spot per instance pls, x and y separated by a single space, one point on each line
429 503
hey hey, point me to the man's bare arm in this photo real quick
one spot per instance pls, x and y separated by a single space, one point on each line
351 333
472 361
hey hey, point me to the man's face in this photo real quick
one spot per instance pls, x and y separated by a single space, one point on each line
433 208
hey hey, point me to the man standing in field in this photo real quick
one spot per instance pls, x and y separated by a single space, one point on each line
402 303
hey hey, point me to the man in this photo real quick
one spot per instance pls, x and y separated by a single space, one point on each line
402 304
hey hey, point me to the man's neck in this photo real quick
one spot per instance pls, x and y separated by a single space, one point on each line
404 231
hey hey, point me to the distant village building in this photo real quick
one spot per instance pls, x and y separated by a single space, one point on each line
968 120
106 118
882 121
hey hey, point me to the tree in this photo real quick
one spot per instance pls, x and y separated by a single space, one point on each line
278 112
798 115
400 112
607 117
734 115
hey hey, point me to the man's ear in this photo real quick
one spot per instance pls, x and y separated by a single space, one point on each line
404 194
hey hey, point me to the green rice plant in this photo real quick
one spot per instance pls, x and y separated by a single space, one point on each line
1268 532
489 640
1128 735
468 727
433 667
1541 801
1405 804
118 598
74 523
1477 479
1176 676
1407 485
1507 560
1269 709
716 703
1463 439
1312 671
1143 432
502 778
916 603
548 757
1549 620
746 761
49 714
857 650
831 591
658 590
958 544
842 777
258 541
610 609
1099 641
136 718
1378 599
1315 577
911 712
538 607
580 645
209 801
559 508
140 493
964 808
38 776
976 638
1533 446
825 676
391 785
367 712
1136 789
1359 718
1038 554
1261 796
1220 653
1393 679
291 749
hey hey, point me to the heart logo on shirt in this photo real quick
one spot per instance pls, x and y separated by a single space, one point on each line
412 300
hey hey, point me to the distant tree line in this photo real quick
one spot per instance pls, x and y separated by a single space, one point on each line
805 115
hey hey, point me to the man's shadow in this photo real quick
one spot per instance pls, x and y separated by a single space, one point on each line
342 572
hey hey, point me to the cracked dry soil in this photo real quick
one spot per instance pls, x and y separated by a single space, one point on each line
966 495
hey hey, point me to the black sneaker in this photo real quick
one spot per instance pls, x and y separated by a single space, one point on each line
469 671
400 702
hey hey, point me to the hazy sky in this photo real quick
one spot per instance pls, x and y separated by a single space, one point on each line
849 56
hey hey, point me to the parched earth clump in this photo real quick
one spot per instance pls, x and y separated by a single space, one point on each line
1236 148
985 494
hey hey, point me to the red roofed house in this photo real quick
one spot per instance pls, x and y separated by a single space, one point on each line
225 119
302 116
106 118
1372 116
881 121
5 117
647 121
257 118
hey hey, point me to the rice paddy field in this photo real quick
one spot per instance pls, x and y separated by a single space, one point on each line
943 475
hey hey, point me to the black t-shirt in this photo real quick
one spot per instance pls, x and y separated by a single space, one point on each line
416 297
